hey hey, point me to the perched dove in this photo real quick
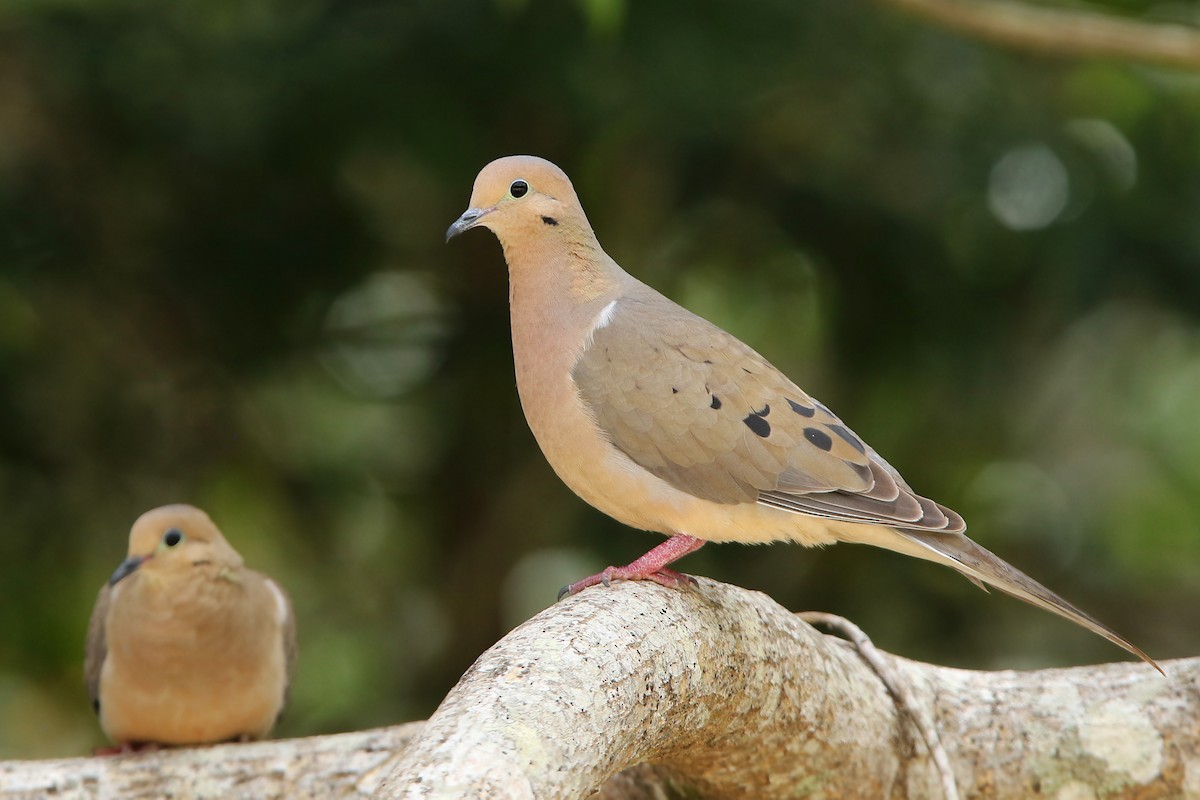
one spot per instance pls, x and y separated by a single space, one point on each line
186 645
667 423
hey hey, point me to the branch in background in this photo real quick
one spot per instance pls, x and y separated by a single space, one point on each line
716 691
315 767
1059 32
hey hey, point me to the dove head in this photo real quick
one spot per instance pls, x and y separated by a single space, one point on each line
173 539
521 195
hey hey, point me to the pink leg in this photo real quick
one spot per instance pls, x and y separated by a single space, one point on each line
652 567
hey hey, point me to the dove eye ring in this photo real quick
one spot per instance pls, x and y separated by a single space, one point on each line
518 188
172 537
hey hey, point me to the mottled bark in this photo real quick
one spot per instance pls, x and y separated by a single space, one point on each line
728 695
715 692
317 767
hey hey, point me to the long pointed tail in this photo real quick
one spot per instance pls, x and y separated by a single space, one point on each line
978 564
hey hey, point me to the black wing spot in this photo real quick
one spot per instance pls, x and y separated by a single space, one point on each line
759 425
766 409
674 390
716 402
849 437
819 438
803 411
549 220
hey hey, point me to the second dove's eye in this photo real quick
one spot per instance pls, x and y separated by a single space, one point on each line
172 537
518 188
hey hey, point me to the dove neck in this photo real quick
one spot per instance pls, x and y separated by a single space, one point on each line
558 287
556 275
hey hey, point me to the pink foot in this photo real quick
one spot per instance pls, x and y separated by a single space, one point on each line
125 748
650 567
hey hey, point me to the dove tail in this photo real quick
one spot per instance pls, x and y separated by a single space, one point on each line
980 565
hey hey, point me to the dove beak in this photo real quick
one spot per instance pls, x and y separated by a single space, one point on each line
127 568
469 219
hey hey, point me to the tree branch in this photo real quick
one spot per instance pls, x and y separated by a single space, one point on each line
1063 33
716 691
315 767
731 695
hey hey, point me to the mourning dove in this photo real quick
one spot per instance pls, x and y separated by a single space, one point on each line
667 423
186 645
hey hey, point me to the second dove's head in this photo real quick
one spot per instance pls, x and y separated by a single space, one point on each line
520 194
174 539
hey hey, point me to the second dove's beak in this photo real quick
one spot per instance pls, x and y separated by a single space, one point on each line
127 568
469 219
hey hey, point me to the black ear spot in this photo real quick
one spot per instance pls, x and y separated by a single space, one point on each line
549 220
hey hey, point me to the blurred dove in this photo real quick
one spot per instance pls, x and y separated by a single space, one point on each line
667 423
186 645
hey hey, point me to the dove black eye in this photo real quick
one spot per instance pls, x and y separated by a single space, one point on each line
518 188
172 537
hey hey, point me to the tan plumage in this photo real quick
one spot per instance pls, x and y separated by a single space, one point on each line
665 422
186 645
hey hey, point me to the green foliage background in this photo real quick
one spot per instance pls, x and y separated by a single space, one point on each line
223 281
